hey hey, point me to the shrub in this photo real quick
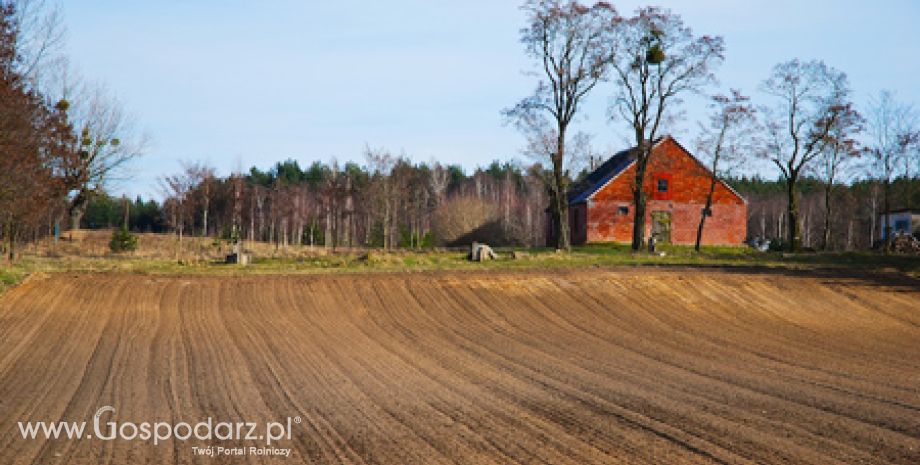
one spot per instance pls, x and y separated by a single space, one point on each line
777 245
123 241
461 220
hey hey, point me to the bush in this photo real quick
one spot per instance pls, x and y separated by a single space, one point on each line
461 220
778 245
123 241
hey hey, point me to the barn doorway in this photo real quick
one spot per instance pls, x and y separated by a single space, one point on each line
661 226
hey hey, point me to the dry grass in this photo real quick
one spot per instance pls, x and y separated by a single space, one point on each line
87 251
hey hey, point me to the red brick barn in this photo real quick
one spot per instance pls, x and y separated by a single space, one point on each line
676 184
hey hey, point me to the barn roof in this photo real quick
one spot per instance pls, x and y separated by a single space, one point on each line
600 177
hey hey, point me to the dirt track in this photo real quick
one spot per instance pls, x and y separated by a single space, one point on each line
579 367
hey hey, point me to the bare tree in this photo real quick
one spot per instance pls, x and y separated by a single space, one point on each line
839 150
658 60
798 124
910 147
106 142
40 32
726 142
176 188
890 124
439 180
201 176
573 44
381 164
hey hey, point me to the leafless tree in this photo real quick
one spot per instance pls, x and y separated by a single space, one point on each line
439 181
41 32
658 61
798 124
910 147
381 163
176 189
839 151
201 176
890 125
573 44
106 142
726 142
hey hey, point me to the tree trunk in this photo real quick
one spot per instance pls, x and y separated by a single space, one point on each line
639 198
11 241
706 209
850 235
806 227
386 225
76 216
873 220
792 212
327 243
561 210
284 232
827 218
780 217
252 222
204 218
886 228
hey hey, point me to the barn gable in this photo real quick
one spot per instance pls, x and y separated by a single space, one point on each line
599 179
676 185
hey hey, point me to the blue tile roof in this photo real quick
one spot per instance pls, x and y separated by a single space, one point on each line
601 176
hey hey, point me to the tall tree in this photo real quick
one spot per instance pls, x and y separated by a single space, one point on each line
798 123
41 39
890 124
840 149
201 176
176 189
381 164
658 60
574 47
726 142
910 147
105 144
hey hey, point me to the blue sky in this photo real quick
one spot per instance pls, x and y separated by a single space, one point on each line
240 83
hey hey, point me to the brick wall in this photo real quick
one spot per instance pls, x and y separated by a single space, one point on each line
688 185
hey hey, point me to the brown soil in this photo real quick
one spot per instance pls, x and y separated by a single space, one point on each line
575 367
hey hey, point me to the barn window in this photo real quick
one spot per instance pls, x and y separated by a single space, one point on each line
662 185
623 210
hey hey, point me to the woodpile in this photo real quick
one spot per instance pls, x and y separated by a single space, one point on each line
904 244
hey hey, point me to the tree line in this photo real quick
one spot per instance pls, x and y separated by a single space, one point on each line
387 202
326 205
843 218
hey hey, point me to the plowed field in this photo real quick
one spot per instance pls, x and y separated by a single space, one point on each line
570 367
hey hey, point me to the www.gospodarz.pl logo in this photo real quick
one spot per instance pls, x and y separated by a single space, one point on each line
105 428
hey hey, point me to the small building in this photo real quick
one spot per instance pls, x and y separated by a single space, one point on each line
903 221
676 183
